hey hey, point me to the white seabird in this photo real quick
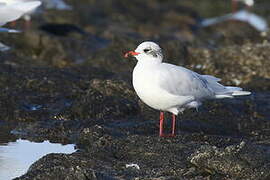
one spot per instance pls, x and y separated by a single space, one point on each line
167 87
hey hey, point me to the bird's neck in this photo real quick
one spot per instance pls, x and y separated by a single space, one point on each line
150 61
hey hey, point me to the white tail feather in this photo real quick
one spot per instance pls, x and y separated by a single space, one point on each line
241 93
230 92
224 91
221 96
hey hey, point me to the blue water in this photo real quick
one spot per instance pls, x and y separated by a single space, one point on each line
16 157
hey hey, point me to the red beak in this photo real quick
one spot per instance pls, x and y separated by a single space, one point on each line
131 53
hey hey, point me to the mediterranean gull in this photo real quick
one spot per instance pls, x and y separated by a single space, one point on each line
167 87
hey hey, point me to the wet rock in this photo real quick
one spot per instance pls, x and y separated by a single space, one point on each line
235 64
5 129
106 99
112 87
242 161
112 58
92 104
62 166
108 151
56 88
47 49
61 29
66 101
228 33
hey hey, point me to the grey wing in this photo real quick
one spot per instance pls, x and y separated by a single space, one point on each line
181 81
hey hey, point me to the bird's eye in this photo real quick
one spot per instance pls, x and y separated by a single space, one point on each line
146 50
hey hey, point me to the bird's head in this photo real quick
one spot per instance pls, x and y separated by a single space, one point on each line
147 51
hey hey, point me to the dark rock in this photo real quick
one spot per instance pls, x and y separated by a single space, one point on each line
63 166
235 64
242 161
107 151
61 29
92 104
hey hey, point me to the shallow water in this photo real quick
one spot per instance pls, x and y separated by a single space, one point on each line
16 157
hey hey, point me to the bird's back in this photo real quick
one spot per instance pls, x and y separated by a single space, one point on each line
183 82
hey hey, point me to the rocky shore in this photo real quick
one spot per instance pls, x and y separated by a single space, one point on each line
69 83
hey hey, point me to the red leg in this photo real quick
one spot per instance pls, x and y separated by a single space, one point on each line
161 120
173 124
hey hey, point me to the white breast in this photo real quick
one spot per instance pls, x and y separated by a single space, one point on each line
143 82
147 86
